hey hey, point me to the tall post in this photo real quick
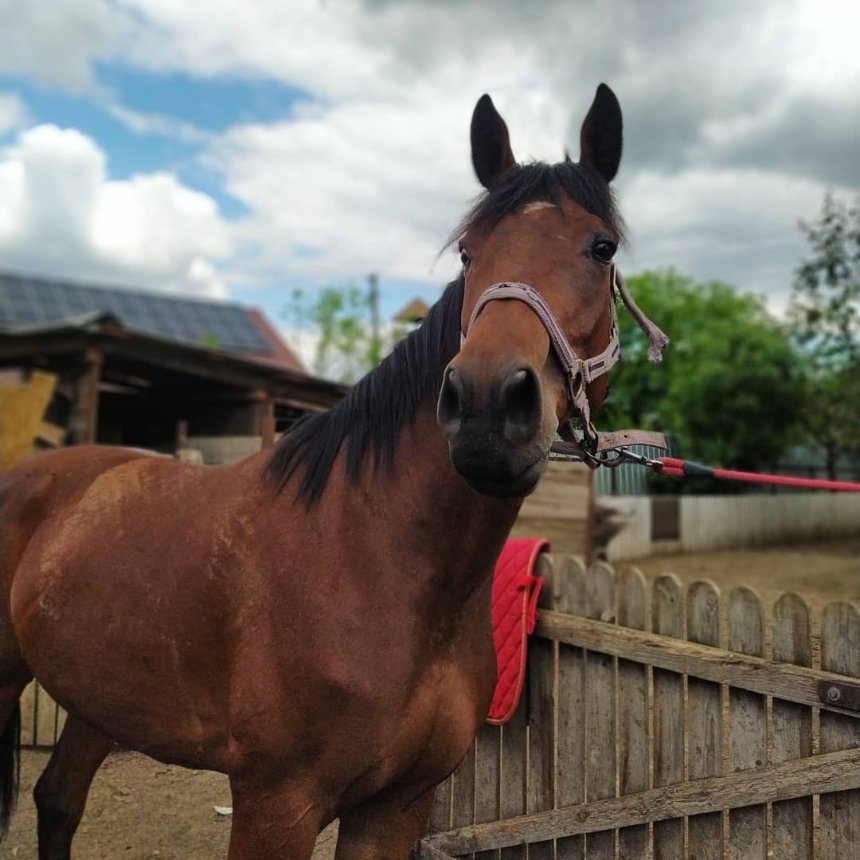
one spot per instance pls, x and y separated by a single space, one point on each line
373 298
267 421
84 418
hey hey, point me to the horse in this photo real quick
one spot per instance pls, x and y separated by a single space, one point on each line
314 621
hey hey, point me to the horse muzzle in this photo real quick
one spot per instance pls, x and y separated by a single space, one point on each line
495 436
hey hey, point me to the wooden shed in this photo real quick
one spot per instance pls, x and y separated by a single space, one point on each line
150 370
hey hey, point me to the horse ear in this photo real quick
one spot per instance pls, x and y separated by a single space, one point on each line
600 139
491 143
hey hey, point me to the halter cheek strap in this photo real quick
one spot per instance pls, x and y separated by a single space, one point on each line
578 372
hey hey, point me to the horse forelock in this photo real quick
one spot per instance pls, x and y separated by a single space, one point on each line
526 188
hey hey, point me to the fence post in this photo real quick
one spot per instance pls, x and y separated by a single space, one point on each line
463 790
514 758
600 708
542 703
747 726
668 615
488 777
840 652
704 726
633 711
570 745
792 824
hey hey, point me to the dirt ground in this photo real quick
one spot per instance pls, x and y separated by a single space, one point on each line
819 572
140 809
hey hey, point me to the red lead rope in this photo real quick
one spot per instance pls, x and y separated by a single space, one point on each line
685 469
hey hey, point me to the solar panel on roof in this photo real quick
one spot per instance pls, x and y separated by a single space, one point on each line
27 301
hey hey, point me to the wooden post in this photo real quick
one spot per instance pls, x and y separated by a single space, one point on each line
704 725
570 766
792 827
747 726
669 719
267 421
488 775
633 711
84 417
514 760
600 707
840 652
543 692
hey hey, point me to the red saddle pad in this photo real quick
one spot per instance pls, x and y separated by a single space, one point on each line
515 594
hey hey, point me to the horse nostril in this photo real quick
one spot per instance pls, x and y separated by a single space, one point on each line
450 407
521 404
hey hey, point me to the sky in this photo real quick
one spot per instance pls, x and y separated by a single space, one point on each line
241 151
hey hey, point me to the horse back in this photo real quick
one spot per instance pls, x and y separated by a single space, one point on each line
42 488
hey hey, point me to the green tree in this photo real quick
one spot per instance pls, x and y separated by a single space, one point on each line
339 316
825 318
727 389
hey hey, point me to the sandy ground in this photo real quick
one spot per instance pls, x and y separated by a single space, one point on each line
140 809
819 572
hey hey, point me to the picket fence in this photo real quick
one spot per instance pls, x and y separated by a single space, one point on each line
663 723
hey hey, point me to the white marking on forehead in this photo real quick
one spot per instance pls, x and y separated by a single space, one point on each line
540 204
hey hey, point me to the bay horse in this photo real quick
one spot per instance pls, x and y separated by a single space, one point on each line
314 621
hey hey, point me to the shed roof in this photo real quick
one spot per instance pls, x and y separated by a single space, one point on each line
29 302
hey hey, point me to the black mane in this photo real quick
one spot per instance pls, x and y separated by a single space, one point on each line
370 419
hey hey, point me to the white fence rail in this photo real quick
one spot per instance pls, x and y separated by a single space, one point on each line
730 522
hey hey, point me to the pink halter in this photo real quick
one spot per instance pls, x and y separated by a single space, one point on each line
578 372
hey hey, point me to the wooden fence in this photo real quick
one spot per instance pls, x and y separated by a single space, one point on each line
704 523
42 719
661 724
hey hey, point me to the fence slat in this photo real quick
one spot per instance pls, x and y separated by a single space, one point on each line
669 719
747 726
513 795
463 791
542 698
792 823
488 775
704 715
840 652
440 817
633 722
570 762
600 708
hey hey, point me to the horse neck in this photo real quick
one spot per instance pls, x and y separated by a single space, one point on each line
432 511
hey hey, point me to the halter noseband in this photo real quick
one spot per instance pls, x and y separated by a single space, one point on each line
578 372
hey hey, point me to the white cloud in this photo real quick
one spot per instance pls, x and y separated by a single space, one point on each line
13 112
737 119
61 214
152 123
358 187
738 226
58 42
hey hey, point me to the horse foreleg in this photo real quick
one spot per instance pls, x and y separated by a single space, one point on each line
385 830
273 822
61 792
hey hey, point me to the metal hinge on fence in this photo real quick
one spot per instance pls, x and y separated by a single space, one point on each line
845 696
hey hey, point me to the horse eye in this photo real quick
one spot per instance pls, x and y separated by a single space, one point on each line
465 256
603 250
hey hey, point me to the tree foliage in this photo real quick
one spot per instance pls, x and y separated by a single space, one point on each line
825 317
728 387
339 319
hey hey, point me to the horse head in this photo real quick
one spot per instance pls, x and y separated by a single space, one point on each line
538 317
